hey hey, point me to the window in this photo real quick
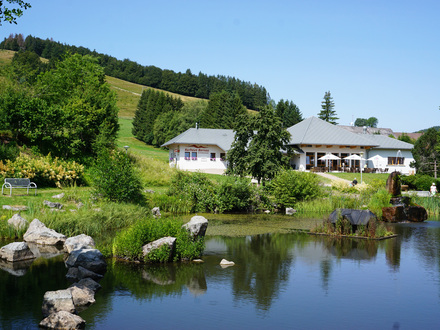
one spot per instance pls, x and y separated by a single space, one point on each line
187 155
194 155
212 157
310 160
396 160
222 156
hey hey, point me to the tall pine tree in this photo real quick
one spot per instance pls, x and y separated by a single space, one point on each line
328 113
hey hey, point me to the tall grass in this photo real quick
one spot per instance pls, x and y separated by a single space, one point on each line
431 204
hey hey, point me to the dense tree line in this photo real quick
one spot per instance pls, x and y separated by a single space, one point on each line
160 117
201 85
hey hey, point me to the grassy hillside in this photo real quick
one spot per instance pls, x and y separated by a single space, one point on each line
129 93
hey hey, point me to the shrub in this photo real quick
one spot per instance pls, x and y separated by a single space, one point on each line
289 186
44 170
419 181
113 177
195 188
128 243
234 194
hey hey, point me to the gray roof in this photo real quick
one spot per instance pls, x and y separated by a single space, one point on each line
385 142
317 131
222 138
370 130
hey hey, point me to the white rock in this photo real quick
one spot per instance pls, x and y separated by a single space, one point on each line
17 221
226 263
40 234
197 226
55 301
63 320
17 251
157 244
79 242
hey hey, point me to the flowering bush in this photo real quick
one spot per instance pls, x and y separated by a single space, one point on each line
43 170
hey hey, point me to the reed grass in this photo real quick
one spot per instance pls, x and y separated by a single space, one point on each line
431 204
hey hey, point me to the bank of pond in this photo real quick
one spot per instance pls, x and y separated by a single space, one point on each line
279 279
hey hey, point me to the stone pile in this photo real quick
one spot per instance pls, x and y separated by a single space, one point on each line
86 265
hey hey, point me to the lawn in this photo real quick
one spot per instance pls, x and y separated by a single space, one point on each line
366 177
126 138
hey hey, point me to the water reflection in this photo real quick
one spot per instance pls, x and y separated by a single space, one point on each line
273 276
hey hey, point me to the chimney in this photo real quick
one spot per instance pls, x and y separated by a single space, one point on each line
365 129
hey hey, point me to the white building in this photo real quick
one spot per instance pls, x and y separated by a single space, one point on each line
201 149
205 149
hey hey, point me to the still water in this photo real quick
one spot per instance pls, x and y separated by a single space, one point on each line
290 281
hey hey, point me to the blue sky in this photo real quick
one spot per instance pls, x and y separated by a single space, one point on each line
377 58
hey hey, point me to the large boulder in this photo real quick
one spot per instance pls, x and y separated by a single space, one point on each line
197 226
87 283
63 320
79 242
91 259
55 301
290 211
82 297
17 222
356 217
17 251
40 234
393 214
157 244
416 213
393 184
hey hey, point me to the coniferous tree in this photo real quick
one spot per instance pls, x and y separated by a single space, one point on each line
328 113
288 112
222 111
426 152
237 156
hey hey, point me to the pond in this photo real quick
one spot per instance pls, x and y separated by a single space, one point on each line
279 281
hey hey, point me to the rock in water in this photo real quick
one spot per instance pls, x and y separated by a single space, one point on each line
63 320
55 301
91 259
197 226
157 244
79 242
17 251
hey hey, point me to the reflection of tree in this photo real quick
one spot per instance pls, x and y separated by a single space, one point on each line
392 253
21 297
326 269
263 264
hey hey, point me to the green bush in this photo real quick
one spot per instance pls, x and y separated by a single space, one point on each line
234 194
114 178
289 187
128 243
195 188
419 181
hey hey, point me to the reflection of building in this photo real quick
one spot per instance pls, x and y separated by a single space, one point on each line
313 138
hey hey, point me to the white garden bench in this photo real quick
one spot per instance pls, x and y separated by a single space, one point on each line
19 183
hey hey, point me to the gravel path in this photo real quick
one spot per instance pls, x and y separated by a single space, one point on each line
332 177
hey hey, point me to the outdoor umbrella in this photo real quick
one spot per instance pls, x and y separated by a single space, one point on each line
356 157
376 158
329 156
